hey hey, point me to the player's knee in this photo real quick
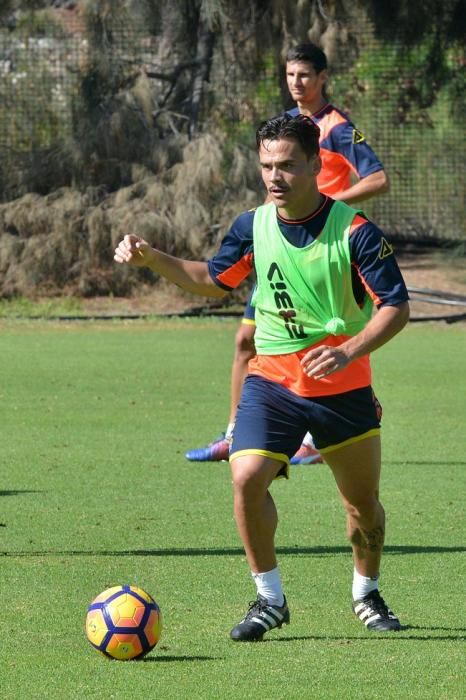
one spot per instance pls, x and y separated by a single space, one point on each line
248 482
365 510
245 481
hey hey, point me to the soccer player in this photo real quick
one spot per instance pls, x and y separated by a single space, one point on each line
344 153
320 266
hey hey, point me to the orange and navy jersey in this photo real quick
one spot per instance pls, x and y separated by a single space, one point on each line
343 149
374 272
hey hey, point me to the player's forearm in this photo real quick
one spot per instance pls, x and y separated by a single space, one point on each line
192 276
370 186
323 360
386 323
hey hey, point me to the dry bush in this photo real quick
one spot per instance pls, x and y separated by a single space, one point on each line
156 195
16 218
191 223
167 152
202 169
51 231
98 225
64 242
12 275
244 169
42 261
154 227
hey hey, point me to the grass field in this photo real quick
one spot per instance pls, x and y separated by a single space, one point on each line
95 490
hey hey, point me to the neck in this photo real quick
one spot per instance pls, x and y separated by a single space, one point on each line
304 210
310 108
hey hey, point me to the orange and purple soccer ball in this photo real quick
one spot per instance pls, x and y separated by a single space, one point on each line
123 623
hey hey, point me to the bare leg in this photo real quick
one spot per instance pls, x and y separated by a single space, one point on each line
356 469
254 508
244 351
256 519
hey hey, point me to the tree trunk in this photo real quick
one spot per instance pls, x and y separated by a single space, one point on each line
205 46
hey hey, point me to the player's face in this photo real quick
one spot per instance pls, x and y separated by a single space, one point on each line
290 177
304 84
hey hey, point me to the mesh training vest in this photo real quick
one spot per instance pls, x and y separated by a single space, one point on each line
304 294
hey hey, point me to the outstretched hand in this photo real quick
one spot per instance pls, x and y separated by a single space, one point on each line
133 250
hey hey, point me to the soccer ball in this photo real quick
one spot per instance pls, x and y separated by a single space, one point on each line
123 622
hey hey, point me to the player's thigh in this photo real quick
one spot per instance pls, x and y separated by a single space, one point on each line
356 469
270 421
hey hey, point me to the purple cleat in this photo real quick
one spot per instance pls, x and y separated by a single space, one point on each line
216 451
307 455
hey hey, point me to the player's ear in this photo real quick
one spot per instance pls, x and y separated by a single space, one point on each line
323 75
316 165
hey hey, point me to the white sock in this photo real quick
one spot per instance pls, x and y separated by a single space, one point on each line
307 440
229 431
362 585
269 586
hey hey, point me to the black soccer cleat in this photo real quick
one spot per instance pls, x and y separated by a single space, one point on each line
375 614
259 619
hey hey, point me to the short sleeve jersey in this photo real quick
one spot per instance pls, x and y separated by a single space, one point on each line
343 149
374 272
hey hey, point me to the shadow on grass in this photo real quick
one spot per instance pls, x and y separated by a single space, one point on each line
426 463
387 636
161 659
382 636
462 630
18 492
231 551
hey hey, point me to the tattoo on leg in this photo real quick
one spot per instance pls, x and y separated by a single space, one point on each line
372 540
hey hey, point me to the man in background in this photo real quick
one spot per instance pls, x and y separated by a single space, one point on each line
346 156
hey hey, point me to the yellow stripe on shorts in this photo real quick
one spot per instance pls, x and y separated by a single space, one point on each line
350 441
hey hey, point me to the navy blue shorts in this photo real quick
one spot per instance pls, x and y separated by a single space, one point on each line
271 420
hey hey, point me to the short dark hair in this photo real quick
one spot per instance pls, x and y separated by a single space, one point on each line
301 128
308 52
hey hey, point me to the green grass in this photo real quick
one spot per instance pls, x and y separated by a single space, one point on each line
21 307
95 490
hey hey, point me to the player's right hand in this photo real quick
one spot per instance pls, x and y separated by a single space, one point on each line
133 250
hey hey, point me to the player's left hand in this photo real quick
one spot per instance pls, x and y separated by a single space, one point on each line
323 360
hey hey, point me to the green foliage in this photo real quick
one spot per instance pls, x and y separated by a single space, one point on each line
395 77
98 109
409 122
39 23
111 123
96 491
411 22
34 106
237 114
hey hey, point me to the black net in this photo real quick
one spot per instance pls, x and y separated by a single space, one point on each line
81 100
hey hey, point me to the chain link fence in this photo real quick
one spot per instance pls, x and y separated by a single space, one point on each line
45 79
